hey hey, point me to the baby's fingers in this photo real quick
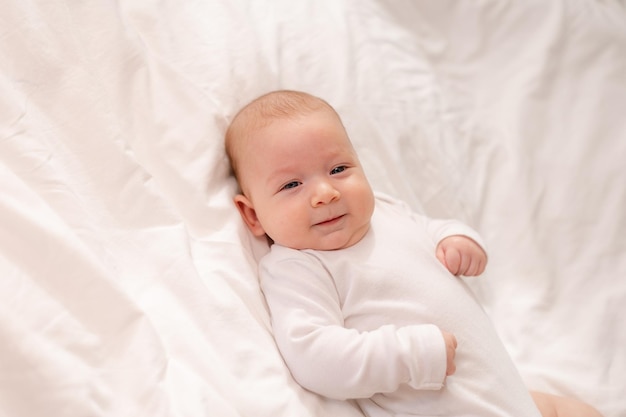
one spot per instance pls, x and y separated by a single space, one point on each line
465 264
476 267
461 256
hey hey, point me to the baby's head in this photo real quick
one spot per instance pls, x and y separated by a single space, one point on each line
301 180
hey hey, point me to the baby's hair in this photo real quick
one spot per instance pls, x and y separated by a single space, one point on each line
260 112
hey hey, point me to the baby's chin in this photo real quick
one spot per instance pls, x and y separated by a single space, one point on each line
330 246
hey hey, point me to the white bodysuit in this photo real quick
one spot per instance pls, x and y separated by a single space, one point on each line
363 323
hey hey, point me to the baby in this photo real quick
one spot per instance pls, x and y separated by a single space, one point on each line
363 293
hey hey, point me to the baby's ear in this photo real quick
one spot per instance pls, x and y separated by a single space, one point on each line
248 214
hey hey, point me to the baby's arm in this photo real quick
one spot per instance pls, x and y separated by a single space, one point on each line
338 362
461 255
459 247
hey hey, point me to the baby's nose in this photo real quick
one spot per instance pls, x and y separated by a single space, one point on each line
324 193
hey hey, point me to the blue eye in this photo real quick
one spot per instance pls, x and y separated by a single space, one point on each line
338 169
290 185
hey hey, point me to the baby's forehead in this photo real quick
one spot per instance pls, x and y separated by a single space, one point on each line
261 114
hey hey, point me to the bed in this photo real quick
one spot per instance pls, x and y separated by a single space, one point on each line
127 280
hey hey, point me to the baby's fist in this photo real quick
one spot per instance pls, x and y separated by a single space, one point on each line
461 256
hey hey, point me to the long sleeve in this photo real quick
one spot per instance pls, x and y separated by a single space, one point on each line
437 229
338 362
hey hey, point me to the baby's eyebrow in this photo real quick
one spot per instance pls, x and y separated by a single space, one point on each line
280 176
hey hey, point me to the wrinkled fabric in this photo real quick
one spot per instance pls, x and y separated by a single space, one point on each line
127 281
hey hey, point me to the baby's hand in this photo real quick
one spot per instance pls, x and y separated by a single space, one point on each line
450 352
461 256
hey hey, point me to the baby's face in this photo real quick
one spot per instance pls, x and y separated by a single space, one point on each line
305 184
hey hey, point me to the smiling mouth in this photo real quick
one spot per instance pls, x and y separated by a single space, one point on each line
330 222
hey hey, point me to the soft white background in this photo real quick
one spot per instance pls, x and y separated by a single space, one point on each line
127 281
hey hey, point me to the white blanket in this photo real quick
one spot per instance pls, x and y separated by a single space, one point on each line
127 281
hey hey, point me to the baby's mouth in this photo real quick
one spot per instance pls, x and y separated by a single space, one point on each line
331 221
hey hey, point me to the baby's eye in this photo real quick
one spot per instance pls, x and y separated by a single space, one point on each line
338 169
290 185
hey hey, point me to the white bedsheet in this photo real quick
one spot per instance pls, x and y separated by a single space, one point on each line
127 281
